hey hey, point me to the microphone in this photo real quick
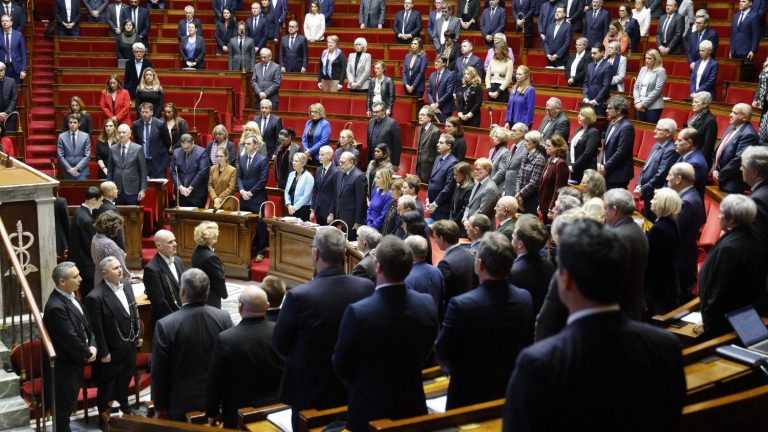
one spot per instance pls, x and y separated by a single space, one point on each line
194 110
53 166
178 196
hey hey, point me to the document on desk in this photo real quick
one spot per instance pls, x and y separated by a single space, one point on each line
693 318
437 405
281 419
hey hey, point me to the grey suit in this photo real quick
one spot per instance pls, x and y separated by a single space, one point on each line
372 13
559 126
76 155
267 81
241 59
517 153
500 159
653 98
482 199
128 173
366 268
426 151
95 5
363 74
453 24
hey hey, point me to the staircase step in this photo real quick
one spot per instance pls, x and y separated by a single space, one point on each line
5 356
42 100
14 413
9 385
42 111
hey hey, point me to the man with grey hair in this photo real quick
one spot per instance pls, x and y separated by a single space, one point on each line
689 221
325 186
702 31
405 204
657 165
476 226
733 275
739 135
182 347
70 330
517 154
308 326
266 78
381 362
687 147
367 240
555 122
754 171
244 351
134 68
269 125
348 202
470 346
619 207
384 129
424 277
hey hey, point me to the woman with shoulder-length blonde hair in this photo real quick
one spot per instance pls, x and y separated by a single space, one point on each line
381 197
330 74
221 182
77 109
647 93
150 90
252 129
582 154
115 101
203 257
317 132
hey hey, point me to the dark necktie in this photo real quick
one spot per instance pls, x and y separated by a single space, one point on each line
290 42
146 141
73 141
263 124
241 45
122 155
248 166
7 47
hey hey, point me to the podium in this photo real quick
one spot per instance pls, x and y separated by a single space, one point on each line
290 252
235 234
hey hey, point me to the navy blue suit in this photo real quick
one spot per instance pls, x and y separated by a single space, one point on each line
349 204
192 172
253 180
546 17
532 272
483 332
490 25
558 44
708 77
674 34
157 157
412 27
694 40
689 221
383 343
654 172
18 54
597 84
324 192
415 76
700 167
60 12
745 37
326 8
632 29
293 59
444 93
457 267
729 165
426 279
617 154
524 10
261 33
473 61
441 186
595 29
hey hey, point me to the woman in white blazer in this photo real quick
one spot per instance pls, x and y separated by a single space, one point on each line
298 188
359 67
314 23
649 102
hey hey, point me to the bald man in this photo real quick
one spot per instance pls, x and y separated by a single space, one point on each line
162 276
244 351
506 214
127 168
726 168
109 193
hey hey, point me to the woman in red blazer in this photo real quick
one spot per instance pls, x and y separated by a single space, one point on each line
555 175
116 102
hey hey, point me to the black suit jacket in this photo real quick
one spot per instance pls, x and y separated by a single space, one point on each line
306 333
81 233
387 94
689 222
130 78
70 331
324 191
458 268
372 353
162 287
116 330
532 272
662 286
729 165
349 204
388 133
181 353
253 180
469 345
269 133
589 361
412 27
581 69
107 205
293 59
760 224
159 143
142 23
585 152
675 30
244 351
206 260
632 299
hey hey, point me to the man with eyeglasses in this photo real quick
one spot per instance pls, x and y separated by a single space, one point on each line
657 165
739 135
703 32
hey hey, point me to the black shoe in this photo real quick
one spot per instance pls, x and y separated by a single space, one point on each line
128 410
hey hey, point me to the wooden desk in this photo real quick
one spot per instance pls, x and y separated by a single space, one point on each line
235 234
290 252
133 227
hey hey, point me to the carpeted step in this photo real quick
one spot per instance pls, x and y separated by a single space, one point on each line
41 111
39 100
41 149
259 270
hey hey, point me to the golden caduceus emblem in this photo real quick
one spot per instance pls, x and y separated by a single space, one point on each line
25 241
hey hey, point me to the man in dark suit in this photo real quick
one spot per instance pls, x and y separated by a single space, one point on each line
441 181
109 194
219 6
189 173
545 17
467 59
182 347
754 169
258 26
736 260
372 14
468 346
407 23
114 17
506 215
669 34
189 18
660 159
162 277
244 351
458 262
269 125
293 50
324 191
326 8
74 149
619 207
127 168
13 50
558 39
493 21
576 66
689 152
531 271
81 233
140 16
596 23
67 13
147 131
134 68
703 32
440 89
266 80
426 143
116 325
555 122
615 162
308 326
746 30
597 81
522 12
384 129
575 15
367 240
9 93
454 24
380 362
241 50
96 9
69 328
252 184
739 135
590 358
18 17
424 277
349 203
689 221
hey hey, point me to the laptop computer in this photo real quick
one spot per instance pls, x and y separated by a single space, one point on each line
750 328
